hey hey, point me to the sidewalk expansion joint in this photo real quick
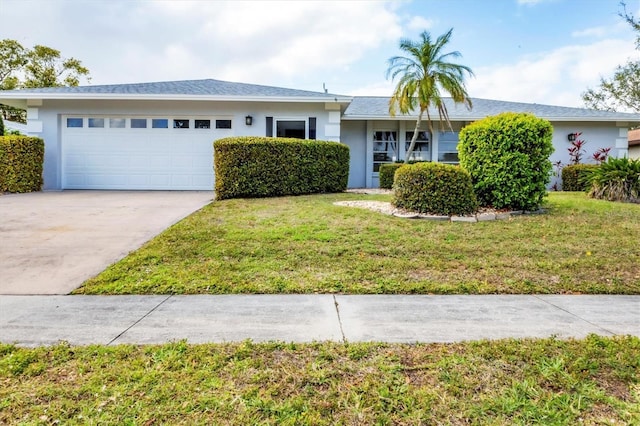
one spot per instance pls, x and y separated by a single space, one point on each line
138 320
335 302
575 315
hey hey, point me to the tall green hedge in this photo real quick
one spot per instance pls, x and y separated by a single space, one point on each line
21 161
507 156
434 188
387 173
576 177
268 167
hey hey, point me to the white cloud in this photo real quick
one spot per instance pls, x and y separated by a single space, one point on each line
420 23
557 77
530 2
591 32
253 41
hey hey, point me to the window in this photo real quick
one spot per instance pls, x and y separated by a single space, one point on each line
385 148
448 147
202 124
269 129
160 123
181 124
74 122
421 150
291 129
312 127
96 122
117 123
138 123
223 124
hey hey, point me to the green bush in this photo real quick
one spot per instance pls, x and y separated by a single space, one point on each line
21 160
434 188
617 179
269 167
387 172
507 156
1 125
576 177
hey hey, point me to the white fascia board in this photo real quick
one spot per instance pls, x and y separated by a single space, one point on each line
474 118
169 97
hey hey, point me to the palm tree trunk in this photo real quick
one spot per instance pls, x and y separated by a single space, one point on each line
412 145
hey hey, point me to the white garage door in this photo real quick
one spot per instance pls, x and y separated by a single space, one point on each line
161 153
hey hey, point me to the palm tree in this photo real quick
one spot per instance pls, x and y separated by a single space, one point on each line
424 74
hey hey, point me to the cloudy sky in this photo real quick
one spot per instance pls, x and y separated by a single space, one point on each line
543 51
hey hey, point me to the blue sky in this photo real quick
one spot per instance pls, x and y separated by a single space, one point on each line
542 51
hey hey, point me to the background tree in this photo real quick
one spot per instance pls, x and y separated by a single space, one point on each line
46 68
41 66
424 75
622 91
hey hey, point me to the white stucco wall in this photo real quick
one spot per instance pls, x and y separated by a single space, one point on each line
44 120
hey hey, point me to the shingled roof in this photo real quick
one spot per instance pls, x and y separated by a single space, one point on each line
377 108
192 89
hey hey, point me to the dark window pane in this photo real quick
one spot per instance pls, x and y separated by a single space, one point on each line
74 122
180 124
203 124
160 123
223 124
312 127
269 130
138 123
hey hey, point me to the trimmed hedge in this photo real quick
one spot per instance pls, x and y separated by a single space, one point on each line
434 188
387 173
268 167
576 177
21 161
507 156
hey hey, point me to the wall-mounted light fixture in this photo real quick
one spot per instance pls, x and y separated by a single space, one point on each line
248 120
571 137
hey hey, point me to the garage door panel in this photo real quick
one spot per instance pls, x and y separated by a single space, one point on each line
137 159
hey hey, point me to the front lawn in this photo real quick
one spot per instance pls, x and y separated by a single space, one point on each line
594 381
308 245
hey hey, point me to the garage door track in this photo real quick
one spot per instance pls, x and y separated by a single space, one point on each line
51 242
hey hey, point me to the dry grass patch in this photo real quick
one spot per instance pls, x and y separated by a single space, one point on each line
548 381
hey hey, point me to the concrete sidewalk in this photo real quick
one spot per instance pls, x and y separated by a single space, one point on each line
110 320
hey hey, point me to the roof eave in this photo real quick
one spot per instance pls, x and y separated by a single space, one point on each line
354 117
171 97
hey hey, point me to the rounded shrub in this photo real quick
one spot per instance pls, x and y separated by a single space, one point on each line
434 188
507 156
577 177
387 173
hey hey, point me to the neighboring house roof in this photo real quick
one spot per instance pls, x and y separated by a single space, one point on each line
377 108
634 137
208 89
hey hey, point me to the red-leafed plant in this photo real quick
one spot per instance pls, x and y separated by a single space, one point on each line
601 155
576 150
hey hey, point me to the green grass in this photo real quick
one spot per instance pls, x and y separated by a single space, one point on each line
307 245
547 381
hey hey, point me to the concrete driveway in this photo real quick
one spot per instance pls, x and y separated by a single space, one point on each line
51 242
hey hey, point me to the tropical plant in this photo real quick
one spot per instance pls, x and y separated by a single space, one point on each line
423 77
617 179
